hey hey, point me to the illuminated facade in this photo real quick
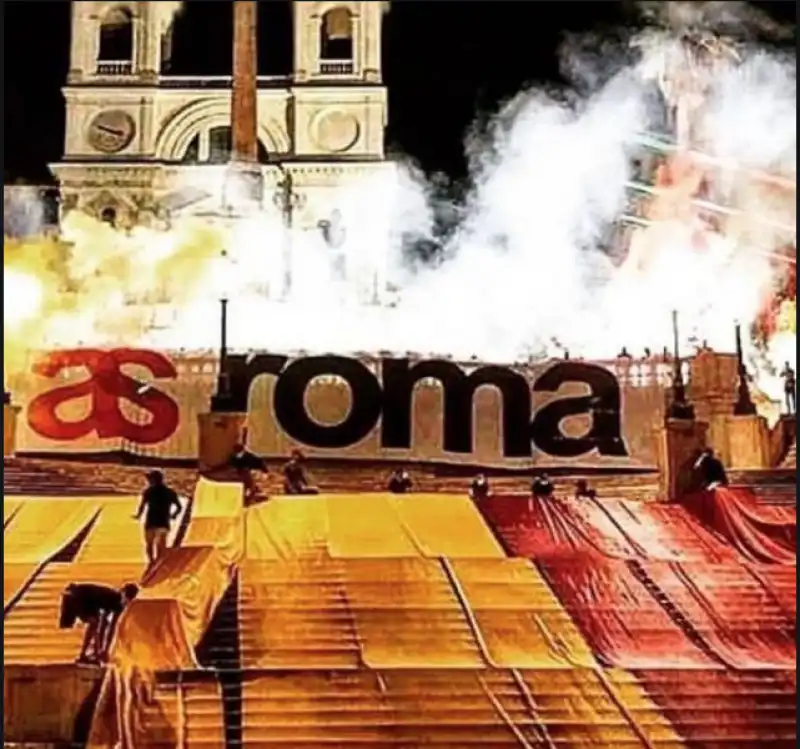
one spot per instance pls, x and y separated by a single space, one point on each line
137 138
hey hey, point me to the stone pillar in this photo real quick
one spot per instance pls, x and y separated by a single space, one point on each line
218 433
713 391
244 188
244 115
10 418
680 444
747 443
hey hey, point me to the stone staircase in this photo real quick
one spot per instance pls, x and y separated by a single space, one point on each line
446 708
57 478
730 709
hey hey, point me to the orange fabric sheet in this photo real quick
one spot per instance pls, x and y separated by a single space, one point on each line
760 533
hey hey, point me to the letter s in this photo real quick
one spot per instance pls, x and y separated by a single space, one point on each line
114 385
107 385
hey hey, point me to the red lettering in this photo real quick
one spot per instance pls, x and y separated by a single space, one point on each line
106 386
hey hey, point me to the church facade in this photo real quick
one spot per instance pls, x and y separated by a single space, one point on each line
141 145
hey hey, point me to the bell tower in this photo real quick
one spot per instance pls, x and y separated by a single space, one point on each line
340 100
338 41
143 145
119 42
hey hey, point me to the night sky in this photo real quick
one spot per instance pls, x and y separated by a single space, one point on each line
445 61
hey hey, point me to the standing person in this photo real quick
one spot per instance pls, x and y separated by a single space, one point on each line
160 506
479 488
789 388
400 482
295 480
711 469
99 607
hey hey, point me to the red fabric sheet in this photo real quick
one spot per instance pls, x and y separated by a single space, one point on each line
667 532
726 709
733 615
759 532
552 527
622 621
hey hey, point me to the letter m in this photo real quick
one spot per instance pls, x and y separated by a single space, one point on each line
400 377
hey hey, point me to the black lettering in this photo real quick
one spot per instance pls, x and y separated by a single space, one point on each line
604 404
290 409
242 370
399 378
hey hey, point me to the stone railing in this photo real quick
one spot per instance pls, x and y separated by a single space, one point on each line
336 67
114 67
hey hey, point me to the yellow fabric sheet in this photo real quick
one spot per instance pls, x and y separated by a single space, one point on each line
405 708
294 614
576 710
218 519
649 717
31 634
10 507
384 613
115 535
15 575
159 630
447 525
151 635
522 623
184 715
406 615
213 499
42 527
367 526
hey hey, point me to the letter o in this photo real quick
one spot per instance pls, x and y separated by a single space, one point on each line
290 409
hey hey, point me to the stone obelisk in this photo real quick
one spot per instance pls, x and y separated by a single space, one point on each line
244 103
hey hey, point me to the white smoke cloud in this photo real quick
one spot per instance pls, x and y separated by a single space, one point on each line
524 270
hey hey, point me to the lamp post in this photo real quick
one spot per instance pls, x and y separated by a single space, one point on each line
680 408
220 401
287 201
744 405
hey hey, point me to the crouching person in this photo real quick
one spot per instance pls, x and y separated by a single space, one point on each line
99 608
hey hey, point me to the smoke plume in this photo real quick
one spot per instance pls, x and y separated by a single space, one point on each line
528 263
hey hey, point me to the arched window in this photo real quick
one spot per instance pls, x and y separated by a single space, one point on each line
336 35
215 146
109 216
116 36
192 153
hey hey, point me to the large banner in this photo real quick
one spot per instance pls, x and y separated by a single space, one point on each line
147 403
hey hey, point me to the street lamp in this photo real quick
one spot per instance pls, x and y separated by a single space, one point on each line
220 401
287 201
680 408
744 405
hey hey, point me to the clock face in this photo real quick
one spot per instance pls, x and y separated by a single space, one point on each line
111 131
